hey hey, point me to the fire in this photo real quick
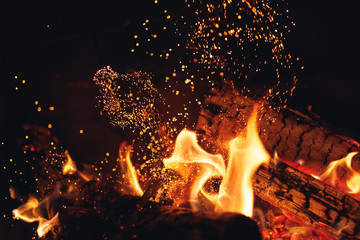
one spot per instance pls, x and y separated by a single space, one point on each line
194 164
197 166
129 184
29 212
69 167
331 172
247 153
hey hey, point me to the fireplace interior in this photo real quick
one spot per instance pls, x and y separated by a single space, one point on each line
60 156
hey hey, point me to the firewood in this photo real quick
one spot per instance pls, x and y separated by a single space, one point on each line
109 221
101 212
298 139
309 200
303 144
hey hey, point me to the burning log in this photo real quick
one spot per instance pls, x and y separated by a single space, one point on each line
89 209
294 137
308 200
298 139
100 211
109 220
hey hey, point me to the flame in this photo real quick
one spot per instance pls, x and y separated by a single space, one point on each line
197 166
129 184
26 211
194 164
29 212
69 167
247 153
353 181
46 226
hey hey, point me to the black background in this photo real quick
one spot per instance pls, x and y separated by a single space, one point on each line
57 46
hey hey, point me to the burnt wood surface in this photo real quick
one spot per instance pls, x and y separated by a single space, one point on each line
299 140
302 143
308 200
154 221
99 211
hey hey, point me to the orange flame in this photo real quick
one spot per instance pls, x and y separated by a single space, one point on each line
28 212
69 167
194 164
353 181
129 184
197 167
246 155
45 227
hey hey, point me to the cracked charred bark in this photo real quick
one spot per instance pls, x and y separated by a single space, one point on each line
298 139
308 200
300 142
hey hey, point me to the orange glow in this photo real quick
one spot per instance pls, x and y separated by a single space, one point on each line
196 167
194 164
46 226
69 167
353 180
28 212
129 183
247 153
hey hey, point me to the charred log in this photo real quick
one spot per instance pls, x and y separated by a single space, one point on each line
308 200
298 139
302 143
103 213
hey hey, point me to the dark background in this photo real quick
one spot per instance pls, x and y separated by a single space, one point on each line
57 46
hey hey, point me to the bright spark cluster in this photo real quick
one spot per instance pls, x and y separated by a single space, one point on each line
237 39
241 41
128 99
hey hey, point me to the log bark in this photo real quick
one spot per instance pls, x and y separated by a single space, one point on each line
299 140
109 221
308 200
304 146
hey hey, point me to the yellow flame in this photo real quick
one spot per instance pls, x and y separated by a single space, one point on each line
197 166
129 184
353 180
69 167
28 212
246 155
194 164
46 226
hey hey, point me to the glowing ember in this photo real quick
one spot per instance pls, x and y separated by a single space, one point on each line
29 212
353 177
